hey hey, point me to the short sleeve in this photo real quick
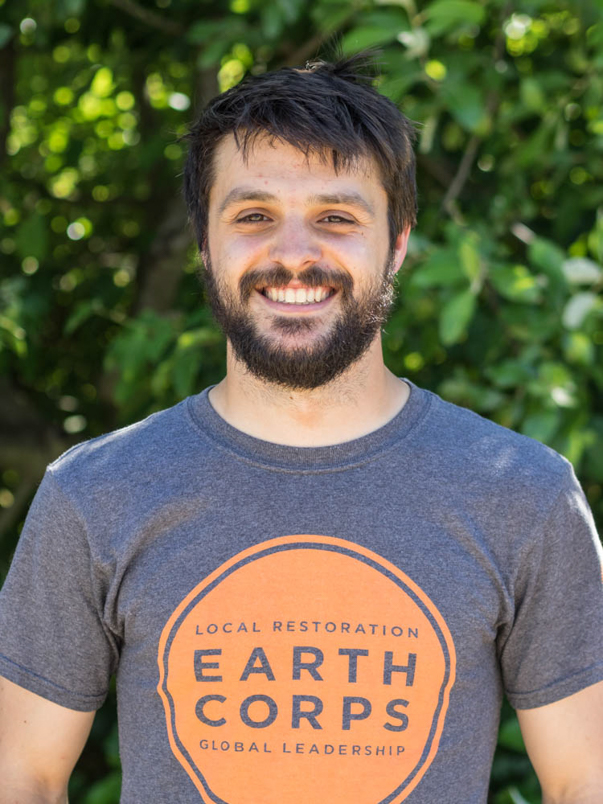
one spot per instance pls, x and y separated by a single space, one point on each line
555 646
52 638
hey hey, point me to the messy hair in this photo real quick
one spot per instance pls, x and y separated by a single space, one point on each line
330 109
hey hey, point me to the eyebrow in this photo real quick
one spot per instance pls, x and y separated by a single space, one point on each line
345 199
240 194
245 194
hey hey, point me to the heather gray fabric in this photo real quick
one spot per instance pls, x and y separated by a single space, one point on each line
466 545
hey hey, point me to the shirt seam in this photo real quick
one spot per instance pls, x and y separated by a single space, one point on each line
534 542
200 430
83 696
593 668
84 528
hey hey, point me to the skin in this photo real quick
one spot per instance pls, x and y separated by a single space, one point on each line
564 741
40 742
292 226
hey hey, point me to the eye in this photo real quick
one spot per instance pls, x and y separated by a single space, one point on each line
337 219
253 217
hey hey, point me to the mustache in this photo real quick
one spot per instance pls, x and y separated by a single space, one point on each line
314 276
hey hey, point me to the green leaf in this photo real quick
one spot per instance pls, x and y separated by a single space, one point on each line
548 257
273 21
105 791
532 95
13 336
456 316
509 735
578 348
542 425
577 308
6 32
509 373
470 257
367 36
32 238
444 15
441 269
466 104
516 283
83 311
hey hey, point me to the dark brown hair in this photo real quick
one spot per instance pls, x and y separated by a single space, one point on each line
329 109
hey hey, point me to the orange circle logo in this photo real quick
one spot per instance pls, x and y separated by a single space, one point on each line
306 668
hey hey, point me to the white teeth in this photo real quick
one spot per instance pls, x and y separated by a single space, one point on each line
297 295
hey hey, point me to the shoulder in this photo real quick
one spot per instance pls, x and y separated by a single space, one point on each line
133 454
485 457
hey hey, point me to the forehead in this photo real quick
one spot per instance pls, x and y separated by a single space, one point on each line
281 168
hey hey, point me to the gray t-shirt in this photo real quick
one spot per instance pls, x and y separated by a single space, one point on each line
295 625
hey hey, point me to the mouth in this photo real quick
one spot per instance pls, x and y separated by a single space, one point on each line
297 297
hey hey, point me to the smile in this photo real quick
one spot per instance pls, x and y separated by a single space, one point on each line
297 296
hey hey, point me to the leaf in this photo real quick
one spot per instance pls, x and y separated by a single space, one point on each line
416 42
81 314
443 15
532 95
579 348
105 791
272 21
577 308
6 32
367 36
548 257
508 374
470 257
32 238
13 336
516 283
455 317
466 104
441 269
516 797
509 735
542 425
581 271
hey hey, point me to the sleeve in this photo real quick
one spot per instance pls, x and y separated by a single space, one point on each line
52 638
555 645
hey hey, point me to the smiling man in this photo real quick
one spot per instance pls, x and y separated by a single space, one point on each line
315 580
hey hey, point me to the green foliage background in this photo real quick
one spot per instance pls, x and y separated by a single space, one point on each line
101 317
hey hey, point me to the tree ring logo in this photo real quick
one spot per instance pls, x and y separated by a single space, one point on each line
306 668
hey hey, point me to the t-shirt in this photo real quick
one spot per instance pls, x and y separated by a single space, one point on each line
295 625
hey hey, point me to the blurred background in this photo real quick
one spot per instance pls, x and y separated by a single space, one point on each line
102 320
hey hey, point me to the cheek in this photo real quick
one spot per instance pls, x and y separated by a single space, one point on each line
237 253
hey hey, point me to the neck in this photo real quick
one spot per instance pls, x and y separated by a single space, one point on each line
361 400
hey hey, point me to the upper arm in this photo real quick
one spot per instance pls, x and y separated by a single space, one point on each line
564 741
40 741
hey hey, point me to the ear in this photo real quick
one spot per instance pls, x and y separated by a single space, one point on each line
400 247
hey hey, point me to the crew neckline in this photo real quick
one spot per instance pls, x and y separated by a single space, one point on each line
254 450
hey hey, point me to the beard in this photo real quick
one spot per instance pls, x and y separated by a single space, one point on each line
309 366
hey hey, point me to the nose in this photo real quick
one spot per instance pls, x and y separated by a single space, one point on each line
295 246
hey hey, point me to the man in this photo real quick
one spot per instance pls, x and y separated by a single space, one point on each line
315 580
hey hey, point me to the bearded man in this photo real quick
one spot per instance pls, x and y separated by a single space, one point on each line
315 580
